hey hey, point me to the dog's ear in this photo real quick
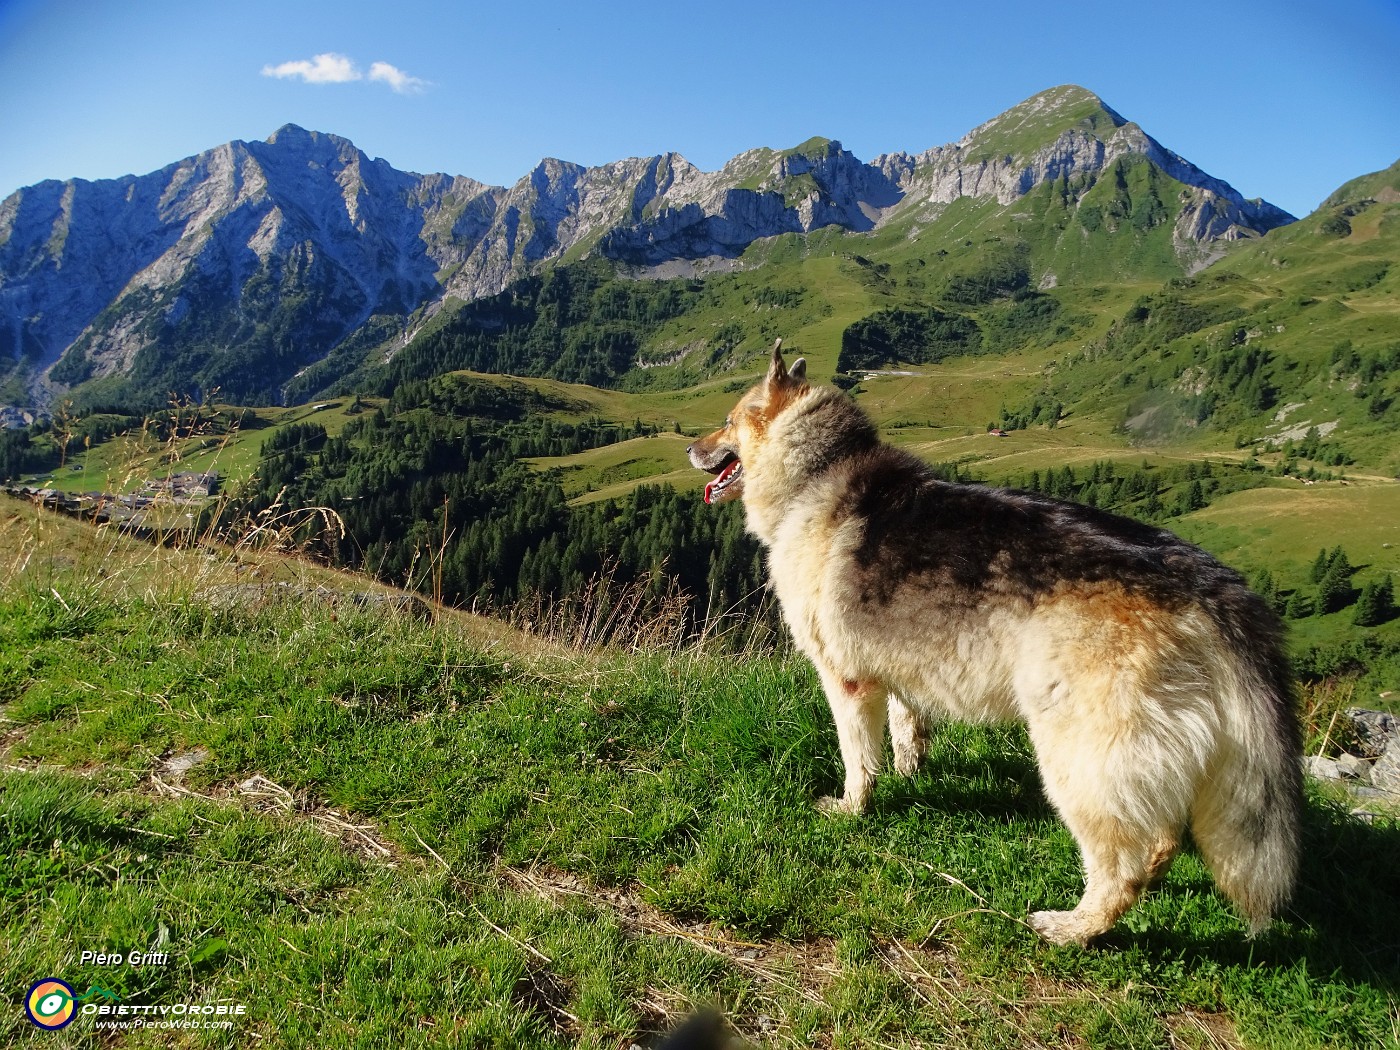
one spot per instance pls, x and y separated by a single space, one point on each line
798 372
777 370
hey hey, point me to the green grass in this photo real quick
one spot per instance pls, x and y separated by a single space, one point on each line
412 832
1282 528
613 470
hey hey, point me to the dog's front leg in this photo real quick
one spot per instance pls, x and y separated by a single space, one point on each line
859 709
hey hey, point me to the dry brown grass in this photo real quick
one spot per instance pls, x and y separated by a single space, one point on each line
49 551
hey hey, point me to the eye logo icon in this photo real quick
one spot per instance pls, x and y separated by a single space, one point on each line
49 1003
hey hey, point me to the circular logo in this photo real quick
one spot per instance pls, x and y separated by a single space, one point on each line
49 1003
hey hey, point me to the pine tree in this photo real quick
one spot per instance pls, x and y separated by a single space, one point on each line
1298 606
1337 561
1264 585
1319 566
1334 589
1195 496
1385 599
1376 604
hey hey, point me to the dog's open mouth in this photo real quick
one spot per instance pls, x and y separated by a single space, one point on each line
731 472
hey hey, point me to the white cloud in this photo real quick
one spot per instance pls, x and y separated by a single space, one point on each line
396 78
328 68
332 68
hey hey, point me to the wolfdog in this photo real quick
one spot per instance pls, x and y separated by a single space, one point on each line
1152 681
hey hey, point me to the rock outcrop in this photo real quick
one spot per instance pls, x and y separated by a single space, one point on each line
1370 770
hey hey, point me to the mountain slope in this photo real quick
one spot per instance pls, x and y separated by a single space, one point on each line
1293 332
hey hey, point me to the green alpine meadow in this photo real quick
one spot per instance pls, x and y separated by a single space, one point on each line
373 671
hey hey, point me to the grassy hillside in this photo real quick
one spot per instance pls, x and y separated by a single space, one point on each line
1298 329
136 454
940 412
1281 529
369 829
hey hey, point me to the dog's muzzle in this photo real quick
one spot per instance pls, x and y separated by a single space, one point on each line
720 489
725 465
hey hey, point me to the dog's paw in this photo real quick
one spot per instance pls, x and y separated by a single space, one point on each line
836 805
1060 927
907 763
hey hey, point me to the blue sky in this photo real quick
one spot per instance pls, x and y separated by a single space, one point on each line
1284 100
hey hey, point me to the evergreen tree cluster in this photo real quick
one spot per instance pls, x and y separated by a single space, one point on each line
1376 603
997 269
1314 448
1225 385
767 297
1025 319
1041 410
910 336
1371 376
21 454
1245 373
436 497
1148 493
297 437
1157 319
578 324
991 280
1332 572
1331 575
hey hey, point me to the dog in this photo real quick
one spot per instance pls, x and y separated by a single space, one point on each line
1152 681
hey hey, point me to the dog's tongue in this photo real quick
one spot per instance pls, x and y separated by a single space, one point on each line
710 486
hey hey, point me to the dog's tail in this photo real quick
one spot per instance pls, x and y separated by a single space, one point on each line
1247 812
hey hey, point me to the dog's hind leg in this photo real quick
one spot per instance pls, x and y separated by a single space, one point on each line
1118 865
859 709
1124 794
908 735
1126 817
1118 701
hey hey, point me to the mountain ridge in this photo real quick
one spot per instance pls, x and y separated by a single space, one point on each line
250 262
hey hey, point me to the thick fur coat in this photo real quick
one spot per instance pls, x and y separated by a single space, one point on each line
1152 680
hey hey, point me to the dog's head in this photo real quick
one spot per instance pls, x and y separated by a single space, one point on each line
723 453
